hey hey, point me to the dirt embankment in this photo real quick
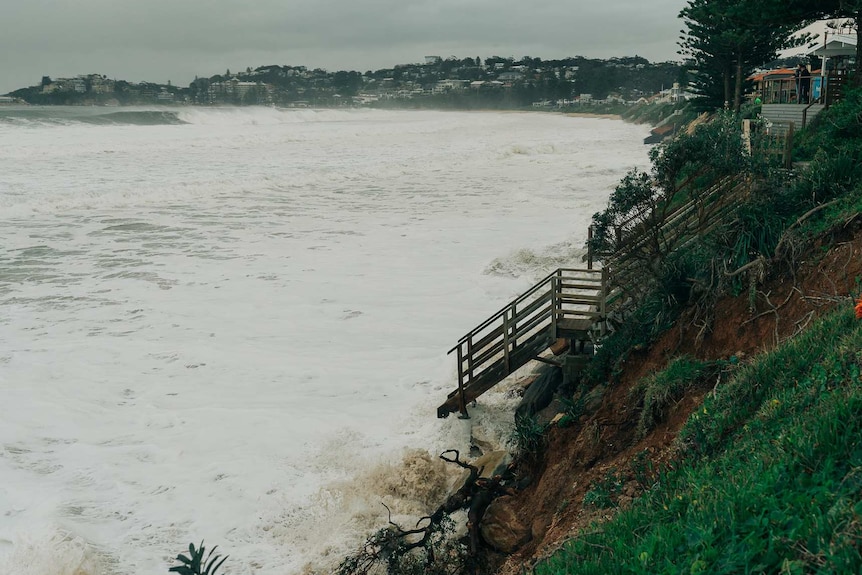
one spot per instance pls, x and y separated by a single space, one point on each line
605 441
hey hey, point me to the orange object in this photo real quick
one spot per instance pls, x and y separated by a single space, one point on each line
859 309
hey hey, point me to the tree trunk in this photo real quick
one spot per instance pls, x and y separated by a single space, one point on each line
857 74
737 93
727 93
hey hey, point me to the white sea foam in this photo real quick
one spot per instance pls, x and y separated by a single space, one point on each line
232 328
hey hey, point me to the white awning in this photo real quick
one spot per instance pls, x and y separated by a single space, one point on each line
837 45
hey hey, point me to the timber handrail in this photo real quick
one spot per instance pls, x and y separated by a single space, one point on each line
519 331
504 309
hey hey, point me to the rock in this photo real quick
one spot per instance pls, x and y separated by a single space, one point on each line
593 399
540 526
493 463
540 394
560 346
501 528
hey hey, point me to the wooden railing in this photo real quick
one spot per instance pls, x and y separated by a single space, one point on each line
576 303
566 303
635 244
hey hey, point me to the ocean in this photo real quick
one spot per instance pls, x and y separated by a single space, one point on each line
231 324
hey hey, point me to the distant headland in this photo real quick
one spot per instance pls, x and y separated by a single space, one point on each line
455 83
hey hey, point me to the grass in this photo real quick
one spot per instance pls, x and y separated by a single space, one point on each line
660 390
772 480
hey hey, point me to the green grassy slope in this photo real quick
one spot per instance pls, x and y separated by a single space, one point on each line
772 477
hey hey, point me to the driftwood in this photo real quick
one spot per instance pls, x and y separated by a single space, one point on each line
393 543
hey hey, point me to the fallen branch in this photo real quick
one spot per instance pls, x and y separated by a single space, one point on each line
393 544
760 260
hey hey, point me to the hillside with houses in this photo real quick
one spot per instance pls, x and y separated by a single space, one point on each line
464 83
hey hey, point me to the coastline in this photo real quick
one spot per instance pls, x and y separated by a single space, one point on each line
588 115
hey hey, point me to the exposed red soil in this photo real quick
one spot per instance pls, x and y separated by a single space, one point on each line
606 440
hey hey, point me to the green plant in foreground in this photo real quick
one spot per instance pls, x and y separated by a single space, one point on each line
195 564
603 491
529 435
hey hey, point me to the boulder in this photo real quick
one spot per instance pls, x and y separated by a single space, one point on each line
501 528
560 346
541 392
493 463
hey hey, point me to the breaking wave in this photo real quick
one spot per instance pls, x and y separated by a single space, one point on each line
36 116
537 264
52 552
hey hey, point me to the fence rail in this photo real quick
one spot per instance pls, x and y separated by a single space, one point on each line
568 302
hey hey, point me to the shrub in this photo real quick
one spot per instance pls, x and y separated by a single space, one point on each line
195 564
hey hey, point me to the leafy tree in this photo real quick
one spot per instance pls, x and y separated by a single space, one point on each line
642 203
726 40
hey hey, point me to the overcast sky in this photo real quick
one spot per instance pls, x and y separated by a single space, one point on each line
161 40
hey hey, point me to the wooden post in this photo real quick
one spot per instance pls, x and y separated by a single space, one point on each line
590 248
514 326
462 401
788 147
555 282
506 340
603 309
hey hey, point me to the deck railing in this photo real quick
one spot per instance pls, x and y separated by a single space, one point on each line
523 328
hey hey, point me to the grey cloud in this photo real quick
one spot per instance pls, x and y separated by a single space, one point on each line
180 38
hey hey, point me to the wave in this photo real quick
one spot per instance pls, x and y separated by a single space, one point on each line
66 116
50 116
263 116
135 118
535 265
51 551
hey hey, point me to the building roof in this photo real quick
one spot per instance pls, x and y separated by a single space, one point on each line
778 74
836 45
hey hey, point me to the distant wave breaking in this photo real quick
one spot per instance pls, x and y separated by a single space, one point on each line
36 116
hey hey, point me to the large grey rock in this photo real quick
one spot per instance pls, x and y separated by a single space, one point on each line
502 529
541 392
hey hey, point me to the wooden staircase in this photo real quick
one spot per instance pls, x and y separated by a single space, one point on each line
568 303
782 115
576 303
637 237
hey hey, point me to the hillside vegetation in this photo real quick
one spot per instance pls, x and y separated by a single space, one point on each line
739 444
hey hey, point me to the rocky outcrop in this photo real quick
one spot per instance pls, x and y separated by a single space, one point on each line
502 529
541 392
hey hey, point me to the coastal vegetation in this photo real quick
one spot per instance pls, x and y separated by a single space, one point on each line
725 40
763 475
